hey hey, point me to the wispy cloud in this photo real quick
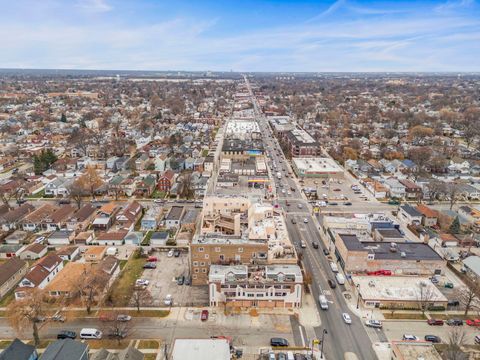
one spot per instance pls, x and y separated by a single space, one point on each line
330 10
452 5
96 6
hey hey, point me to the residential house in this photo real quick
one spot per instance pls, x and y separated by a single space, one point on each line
134 238
128 216
81 218
34 220
66 349
141 163
84 238
412 190
61 237
150 219
378 190
129 353
160 163
58 219
11 272
105 217
112 238
10 219
159 238
429 216
410 215
95 253
395 188
17 237
58 187
40 275
165 182
17 350
145 187
174 216
8 251
33 252
68 253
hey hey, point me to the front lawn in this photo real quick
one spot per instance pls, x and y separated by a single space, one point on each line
123 287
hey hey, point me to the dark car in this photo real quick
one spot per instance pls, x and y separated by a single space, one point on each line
433 338
333 204
66 334
278 342
21 201
326 252
150 265
453 303
454 322
180 280
348 203
437 322
315 244
176 253
64 201
332 283
281 356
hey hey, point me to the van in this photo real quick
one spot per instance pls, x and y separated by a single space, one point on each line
334 267
323 302
88 333
278 342
340 278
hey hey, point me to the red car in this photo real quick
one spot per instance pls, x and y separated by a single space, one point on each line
204 316
152 259
473 322
438 322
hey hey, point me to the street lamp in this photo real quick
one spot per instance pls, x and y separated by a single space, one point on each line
323 341
358 294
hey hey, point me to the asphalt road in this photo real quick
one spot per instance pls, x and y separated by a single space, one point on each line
341 338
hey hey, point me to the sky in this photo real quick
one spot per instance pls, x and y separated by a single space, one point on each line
242 35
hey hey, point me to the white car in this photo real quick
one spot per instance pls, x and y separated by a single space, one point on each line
170 253
283 191
300 206
142 282
39 240
346 318
168 300
289 193
374 323
305 220
158 201
409 337
124 318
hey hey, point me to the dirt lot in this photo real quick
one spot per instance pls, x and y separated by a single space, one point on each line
163 282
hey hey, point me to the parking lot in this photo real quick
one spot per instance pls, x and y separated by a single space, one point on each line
163 281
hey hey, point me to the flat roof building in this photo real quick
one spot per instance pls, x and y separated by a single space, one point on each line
317 167
201 349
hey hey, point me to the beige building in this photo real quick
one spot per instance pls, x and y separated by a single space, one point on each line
11 272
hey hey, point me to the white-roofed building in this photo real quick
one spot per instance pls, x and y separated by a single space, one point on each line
201 349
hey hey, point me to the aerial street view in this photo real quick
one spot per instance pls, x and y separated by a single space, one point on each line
222 180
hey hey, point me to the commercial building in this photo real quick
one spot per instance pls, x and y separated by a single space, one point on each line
400 292
406 258
201 349
317 167
301 143
406 350
256 286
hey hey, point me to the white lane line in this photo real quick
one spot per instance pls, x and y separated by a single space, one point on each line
301 335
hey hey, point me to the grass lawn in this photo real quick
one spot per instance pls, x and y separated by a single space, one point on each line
37 195
7 299
446 317
108 344
406 316
146 239
5 343
148 344
158 195
123 263
135 313
122 288
150 357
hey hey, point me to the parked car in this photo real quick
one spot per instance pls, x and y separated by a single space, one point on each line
449 285
176 253
204 315
142 282
281 356
346 318
374 323
152 259
67 334
150 265
326 252
305 220
124 318
168 301
278 342
117 333
348 203
170 253
409 337
433 339
473 322
303 245
294 221
437 322
58 317
453 303
454 322
180 280
477 339
332 283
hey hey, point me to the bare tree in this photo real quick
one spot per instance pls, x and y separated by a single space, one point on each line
141 297
28 312
90 288
456 338
76 192
117 328
425 296
468 296
187 190
9 192
452 193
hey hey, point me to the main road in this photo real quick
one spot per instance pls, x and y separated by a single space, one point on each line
340 338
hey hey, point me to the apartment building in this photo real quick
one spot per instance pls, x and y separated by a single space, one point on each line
256 286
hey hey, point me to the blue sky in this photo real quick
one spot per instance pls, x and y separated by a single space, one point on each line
241 35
